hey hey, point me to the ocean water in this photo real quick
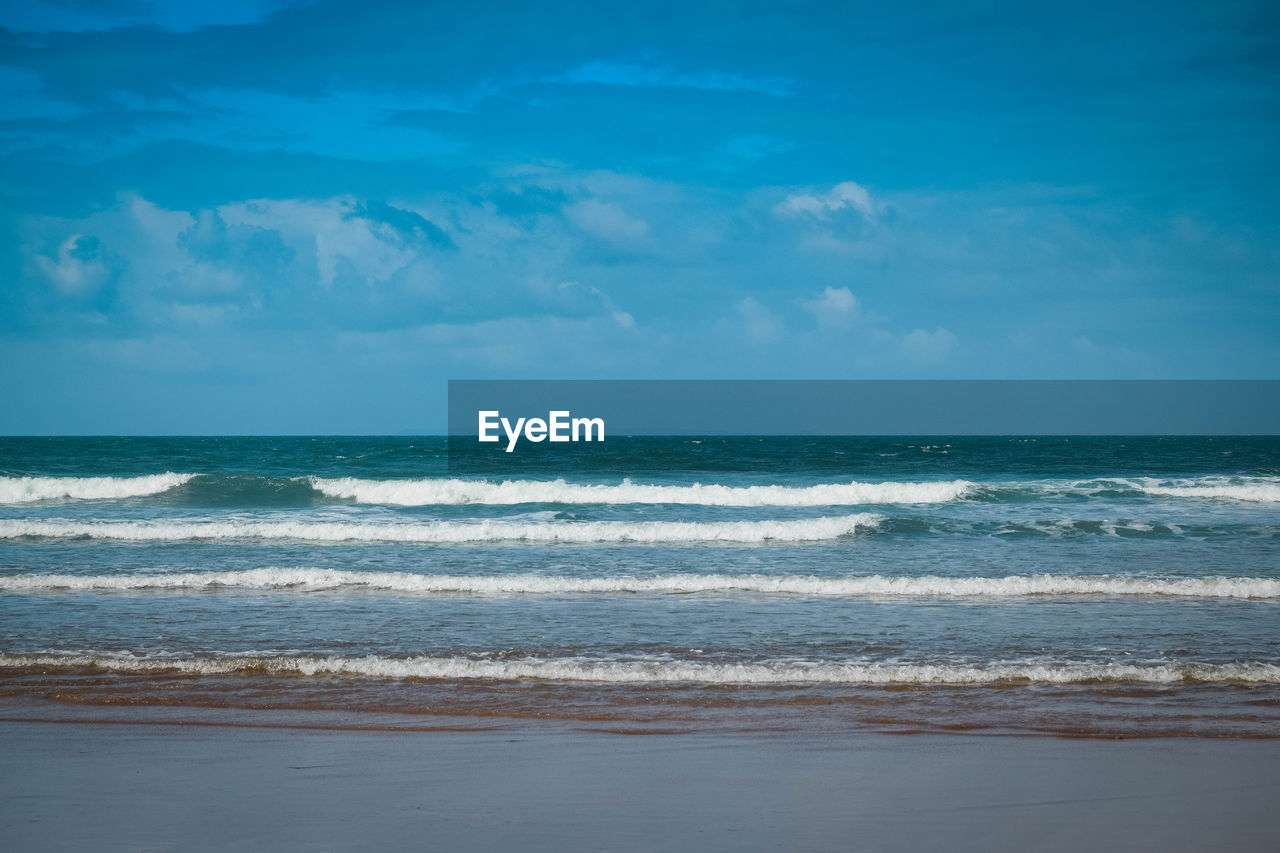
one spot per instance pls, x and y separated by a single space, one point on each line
1076 585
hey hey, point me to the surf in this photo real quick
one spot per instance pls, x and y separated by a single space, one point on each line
17 490
927 586
606 671
450 532
425 492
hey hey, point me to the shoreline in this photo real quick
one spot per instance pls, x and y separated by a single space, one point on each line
155 786
311 720
1100 712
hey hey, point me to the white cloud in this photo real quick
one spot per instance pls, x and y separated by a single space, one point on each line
331 231
584 300
351 262
835 307
134 237
608 221
757 321
843 196
928 347
207 280
72 272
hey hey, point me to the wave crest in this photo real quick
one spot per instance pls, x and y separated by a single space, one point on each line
669 672
1253 489
450 532
453 491
16 490
932 586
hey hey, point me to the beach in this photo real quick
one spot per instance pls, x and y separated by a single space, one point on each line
143 786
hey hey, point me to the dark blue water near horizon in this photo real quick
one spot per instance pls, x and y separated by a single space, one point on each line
887 456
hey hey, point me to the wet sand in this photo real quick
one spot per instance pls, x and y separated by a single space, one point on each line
79 786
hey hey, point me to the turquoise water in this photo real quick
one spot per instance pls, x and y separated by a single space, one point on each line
1084 585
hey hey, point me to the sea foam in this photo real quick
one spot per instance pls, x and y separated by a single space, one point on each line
665 671
1257 489
930 586
446 532
453 491
15 490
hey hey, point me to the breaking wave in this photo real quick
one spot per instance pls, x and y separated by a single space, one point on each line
16 490
529 584
670 672
252 489
453 491
1257 489
1240 488
446 532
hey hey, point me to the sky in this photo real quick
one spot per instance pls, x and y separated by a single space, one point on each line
263 216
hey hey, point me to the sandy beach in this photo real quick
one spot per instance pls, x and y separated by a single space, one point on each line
74 786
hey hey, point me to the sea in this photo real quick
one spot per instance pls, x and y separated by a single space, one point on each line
1078 586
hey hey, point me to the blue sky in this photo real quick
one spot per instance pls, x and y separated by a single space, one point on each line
305 217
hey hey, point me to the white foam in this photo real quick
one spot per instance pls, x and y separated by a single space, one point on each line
16 490
1108 526
1241 488
453 491
1254 489
798 530
1012 586
669 672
